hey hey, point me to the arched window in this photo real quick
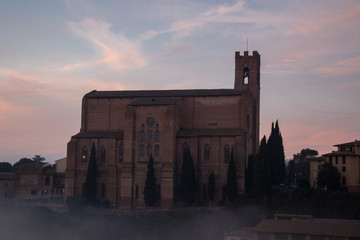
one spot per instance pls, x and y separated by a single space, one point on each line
246 75
157 136
248 122
149 150
103 154
142 150
157 150
226 154
206 153
121 152
47 181
149 136
142 136
84 154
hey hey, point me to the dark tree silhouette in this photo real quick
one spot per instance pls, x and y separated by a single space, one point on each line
261 174
38 159
328 177
188 180
23 161
89 187
211 186
299 166
231 181
276 155
6 167
150 194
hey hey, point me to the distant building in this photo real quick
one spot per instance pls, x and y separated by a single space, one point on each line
347 161
32 182
126 127
298 227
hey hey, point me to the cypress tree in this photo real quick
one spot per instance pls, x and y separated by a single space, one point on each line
261 174
211 186
276 155
150 194
89 187
231 183
188 180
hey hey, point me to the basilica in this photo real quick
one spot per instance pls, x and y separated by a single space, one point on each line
126 127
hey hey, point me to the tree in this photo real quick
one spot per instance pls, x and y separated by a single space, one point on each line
6 167
231 181
38 159
328 177
150 194
211 186
299 166
89 187
261 174
188 180
276 155
22 161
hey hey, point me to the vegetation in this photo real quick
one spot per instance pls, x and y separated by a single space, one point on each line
298 169
40 160
22 161
89 187
6 167
261 175
328 177
150 194
276 155
231 183
188 180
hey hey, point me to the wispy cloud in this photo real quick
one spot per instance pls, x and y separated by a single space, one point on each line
114 50
342 67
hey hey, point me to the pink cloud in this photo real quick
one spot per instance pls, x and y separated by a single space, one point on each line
341 67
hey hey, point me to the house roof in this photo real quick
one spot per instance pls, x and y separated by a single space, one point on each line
100 134
356 142
312 227
164 93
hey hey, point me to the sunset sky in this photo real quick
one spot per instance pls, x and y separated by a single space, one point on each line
54 52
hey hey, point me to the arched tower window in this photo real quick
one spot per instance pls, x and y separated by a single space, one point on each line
206 153
121 152
226 154
142 150
157 150
84 154
246 75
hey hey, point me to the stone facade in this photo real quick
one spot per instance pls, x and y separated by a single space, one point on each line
127 126
346 159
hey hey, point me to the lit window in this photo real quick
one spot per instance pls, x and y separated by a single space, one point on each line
84 154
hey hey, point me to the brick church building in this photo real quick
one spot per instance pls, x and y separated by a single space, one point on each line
126 127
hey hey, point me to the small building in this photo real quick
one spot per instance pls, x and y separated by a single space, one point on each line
346 158
6 185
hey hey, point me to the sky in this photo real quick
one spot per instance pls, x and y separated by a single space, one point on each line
54 52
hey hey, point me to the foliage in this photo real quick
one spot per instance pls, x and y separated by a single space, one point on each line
23 161
299 166
6 167
231 183
328 177
276 155
89 187
249 175
150 194
261 174
211 186
38 159
188 180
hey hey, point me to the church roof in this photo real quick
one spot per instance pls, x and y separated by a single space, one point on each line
100 134
155 101
164 93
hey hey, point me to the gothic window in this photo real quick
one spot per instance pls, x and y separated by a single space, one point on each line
103 155
47 181
149 150
157 136
142 150
121 152
142 136
103 191
157 150
206 153
150 121
226 154
246 75
185 148
149 136
84 154
248 122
